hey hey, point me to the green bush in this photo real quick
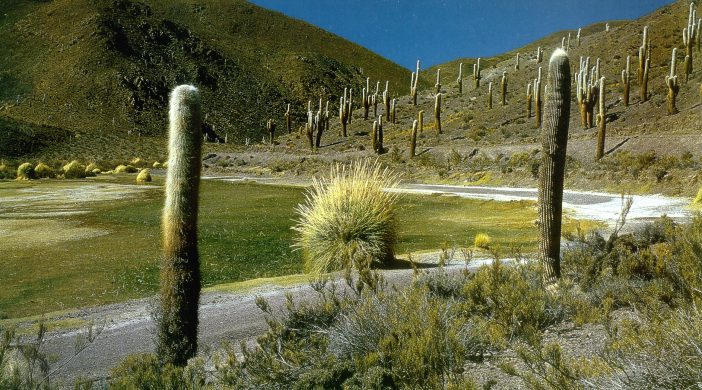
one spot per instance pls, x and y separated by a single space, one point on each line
482 240
144 176
6 172
138 163
348 219
125 169
43 171
145 372
26 172
157 165
74 170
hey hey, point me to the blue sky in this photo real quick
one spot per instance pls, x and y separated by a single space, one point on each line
440 31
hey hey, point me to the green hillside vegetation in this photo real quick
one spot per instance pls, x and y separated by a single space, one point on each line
93 73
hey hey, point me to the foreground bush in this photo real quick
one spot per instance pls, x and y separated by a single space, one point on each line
146 372
74 170
125 169
348 219
43 171
144 176
26 172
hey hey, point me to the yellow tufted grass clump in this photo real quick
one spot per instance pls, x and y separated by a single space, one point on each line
482 241
144 176
348 219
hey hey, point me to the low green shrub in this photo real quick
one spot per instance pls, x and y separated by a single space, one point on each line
6 172
144 176
146 372
74 170
26 172
43 171
138 163
125 169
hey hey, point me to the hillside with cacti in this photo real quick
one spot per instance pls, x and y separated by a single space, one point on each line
91 78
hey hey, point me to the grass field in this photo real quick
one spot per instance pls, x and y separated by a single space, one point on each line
67 244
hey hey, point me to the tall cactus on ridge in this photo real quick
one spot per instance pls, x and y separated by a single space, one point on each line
344 113
489 96
438 81
413 85
529 97
476 74
437 113
577 38
690 35
393 111
516 62
503 88
626 81
386 100
459 80
375 99
672 82
644 65
177 315
320 124
601 122
551 174
539 55
365 96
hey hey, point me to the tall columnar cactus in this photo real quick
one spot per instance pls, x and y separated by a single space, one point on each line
177 318
551 174
380 148
459 80
644 65
420 118
516 62
578 36
503 88
437 113
310 125
672 82
288 119
689 37
375 136
386 100
413 140
586 92
476 74
601 122
320 124
529 97
326 116
393 111
375 99
344 113
365 96
270 128
538 101
413 84
438 81
489 96
606 27
539 55
626 77
349 103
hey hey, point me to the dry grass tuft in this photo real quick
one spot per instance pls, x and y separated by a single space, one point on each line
348 219
26 172
74 170
144 176
43 171
482 241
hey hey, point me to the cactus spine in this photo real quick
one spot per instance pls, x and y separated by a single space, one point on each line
420 118
177 318
489 97
438 81
413 140
644 65
413 84
690 35
626 81
503 88
270 127
554 144
437 113
476 74
459 81
529 97
672 82
601 122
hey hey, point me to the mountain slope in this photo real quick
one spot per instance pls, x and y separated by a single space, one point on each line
93 73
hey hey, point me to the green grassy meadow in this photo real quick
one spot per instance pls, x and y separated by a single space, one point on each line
244 234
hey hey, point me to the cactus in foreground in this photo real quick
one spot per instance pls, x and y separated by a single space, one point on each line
554 144
413 140
672 82
626 77
438 81
177 317
690 35
489 96
459 81
644 65
601 122
413 84
503 88
379 146
437 113
476 74
420 118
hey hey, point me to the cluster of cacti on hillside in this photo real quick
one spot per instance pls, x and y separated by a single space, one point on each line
476 74
587 80
346 110
690 35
